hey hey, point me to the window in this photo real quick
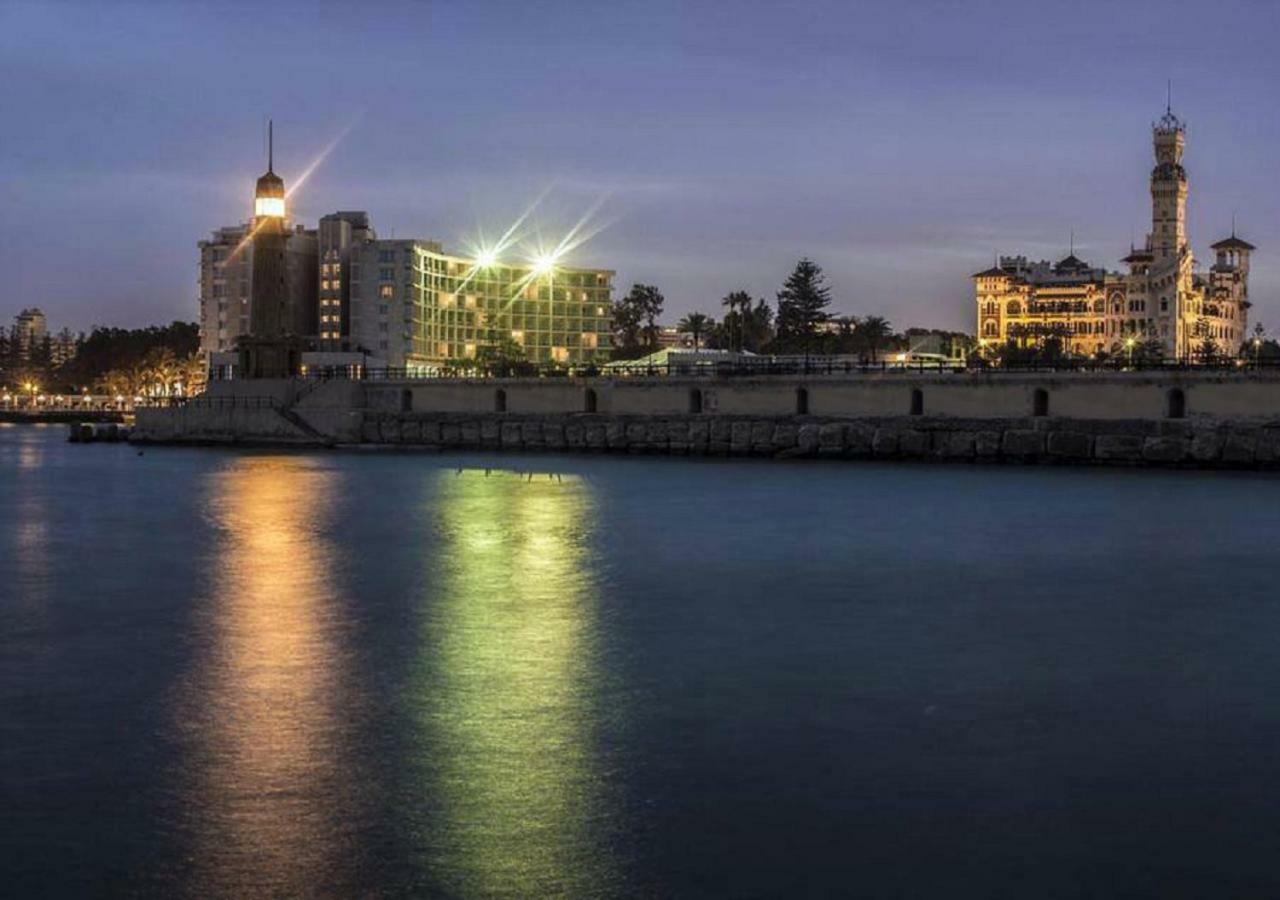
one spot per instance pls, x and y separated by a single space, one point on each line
1040 403
386 291
917 402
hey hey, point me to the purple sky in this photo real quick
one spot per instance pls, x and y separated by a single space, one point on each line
897 143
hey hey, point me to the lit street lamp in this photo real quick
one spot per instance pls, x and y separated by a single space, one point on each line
1129 342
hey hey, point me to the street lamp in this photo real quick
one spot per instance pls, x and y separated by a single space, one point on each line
1129 342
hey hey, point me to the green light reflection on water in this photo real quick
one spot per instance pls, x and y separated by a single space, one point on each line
509 690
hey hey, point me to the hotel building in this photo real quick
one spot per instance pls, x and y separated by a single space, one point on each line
1163 297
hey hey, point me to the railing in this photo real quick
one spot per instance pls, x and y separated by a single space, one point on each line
774 366
206 402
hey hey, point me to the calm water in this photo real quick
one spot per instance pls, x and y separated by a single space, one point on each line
245 674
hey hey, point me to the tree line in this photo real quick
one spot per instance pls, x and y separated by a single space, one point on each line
799 323
160 360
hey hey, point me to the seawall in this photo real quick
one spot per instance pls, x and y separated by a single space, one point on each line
1227 420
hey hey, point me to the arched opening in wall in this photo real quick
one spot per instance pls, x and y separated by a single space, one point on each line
1040 402
1176 405
917 402
406 400
589 400
802 401
499 400
695 401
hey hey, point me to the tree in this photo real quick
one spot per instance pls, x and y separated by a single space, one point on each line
872 333
635 317
739 305
802 304
696 324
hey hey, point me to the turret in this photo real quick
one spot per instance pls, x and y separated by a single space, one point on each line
1168 188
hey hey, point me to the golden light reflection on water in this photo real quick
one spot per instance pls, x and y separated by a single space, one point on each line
509 690
265 712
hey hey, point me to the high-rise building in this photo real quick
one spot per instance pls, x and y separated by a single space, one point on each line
1161 299
340 234
412 305
30 329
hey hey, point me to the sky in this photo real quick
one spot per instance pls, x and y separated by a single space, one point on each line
899 144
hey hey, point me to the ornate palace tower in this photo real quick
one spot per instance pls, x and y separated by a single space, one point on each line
1168 188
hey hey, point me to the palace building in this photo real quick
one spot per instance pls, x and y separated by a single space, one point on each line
1164 297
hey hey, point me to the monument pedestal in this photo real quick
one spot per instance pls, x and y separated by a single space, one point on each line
270 357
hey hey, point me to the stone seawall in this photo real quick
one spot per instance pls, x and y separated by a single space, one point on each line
1031 440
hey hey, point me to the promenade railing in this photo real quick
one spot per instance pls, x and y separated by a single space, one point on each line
774 366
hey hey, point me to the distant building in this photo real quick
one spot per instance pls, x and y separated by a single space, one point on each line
1161 298
30 329
63 347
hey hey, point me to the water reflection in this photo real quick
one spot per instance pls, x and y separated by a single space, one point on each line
265 713
509 691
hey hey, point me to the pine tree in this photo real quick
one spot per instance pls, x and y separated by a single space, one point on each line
802 304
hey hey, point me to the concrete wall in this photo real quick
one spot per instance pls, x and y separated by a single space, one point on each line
967 395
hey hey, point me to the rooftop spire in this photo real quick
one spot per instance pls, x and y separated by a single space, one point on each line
1168 104
270 147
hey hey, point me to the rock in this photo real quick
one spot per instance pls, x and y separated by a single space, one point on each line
491 433
913 443
699 435
615 433
450 434
596 435
1206 446
575 435
762 438
1073 445
369 432
430 431
531 434
885 443
958 445
410 432
720 431
986 444
785 436
1164 449
807 437
510 434
553 435
858 439
469 434
740 438
1021 443
1239 447
1118 447
389 430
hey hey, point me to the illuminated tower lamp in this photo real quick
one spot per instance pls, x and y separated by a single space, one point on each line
270 350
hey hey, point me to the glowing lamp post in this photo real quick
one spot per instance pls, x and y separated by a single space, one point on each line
1128 344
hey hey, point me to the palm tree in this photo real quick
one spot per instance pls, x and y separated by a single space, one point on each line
695 324
872 332
739 306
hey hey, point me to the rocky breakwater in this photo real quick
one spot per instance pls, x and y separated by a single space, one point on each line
1190 443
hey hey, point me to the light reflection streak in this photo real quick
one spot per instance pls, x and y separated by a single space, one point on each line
265 712
509 694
